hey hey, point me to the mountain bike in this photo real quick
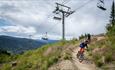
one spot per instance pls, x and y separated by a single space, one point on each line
80 56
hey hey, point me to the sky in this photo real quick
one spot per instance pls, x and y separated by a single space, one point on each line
33 18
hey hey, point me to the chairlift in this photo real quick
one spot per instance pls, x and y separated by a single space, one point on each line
45 37
100 5
57 18
57 8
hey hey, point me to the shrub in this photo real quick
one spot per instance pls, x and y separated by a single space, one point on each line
99 63
108 57
97 60
67 56
52 60
96 57
90 53
6 67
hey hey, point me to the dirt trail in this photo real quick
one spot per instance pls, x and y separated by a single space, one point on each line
85 65
74 64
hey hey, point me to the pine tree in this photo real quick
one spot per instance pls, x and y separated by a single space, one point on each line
112 18
112 15
111 26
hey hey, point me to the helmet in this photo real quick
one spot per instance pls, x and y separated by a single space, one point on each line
87 41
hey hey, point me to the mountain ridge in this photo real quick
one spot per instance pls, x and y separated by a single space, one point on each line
17 45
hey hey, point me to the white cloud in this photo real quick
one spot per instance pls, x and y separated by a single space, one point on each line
18 29
35 17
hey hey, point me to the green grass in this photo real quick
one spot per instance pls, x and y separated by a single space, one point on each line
6 67
4 58
67 56
37 60
106 49
108 57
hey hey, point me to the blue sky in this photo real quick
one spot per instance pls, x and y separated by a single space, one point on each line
22 18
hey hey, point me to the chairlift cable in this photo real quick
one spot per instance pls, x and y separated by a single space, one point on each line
84 5
65 1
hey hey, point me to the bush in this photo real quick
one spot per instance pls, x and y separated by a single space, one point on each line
99 63
67 56
6 67
74 41
97 60
90 53
52 60
108 57
4 58
96 57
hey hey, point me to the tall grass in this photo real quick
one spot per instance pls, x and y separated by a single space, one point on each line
36 60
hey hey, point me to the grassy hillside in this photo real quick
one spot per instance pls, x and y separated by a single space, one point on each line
102 52
15 45
41 58
6 57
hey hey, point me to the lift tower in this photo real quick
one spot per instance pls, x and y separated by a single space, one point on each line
66 11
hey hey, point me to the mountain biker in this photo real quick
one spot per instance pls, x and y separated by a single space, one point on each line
81 51
82 48
83 45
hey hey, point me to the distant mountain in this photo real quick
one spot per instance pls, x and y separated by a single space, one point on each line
16 45
48 41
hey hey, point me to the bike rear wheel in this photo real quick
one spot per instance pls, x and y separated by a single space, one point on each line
80 56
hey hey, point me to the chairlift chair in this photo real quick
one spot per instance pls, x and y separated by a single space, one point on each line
57 18
100 5
45 37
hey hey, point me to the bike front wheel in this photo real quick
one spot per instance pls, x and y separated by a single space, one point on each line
81 57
